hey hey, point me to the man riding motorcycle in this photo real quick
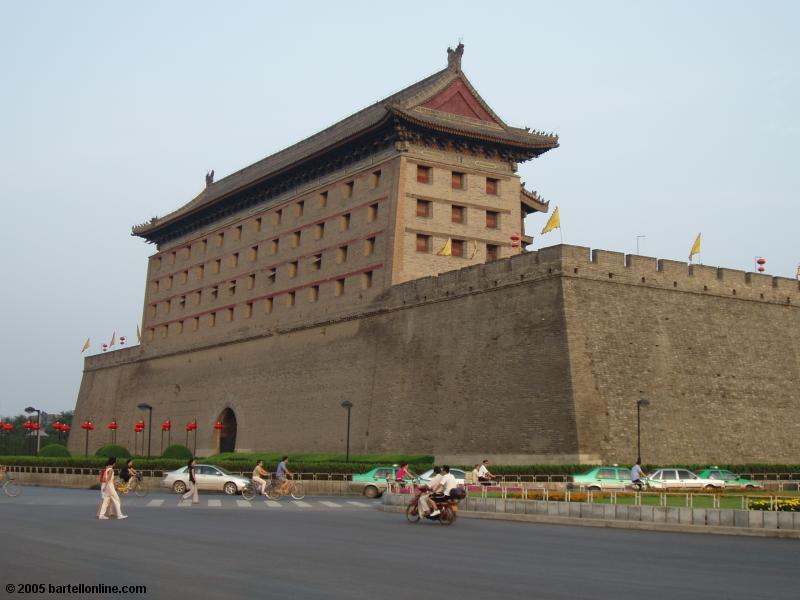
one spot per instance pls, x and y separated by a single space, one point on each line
426 505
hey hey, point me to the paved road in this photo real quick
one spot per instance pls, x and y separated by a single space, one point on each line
330 548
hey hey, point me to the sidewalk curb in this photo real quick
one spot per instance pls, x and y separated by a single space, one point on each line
634 525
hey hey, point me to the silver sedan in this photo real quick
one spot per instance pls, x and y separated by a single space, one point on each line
208 477
681 478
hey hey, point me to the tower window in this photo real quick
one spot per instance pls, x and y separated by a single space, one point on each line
491 219
458 181
424 208
491 186
423 174
423 243
458 213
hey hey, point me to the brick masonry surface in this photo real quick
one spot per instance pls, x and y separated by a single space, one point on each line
540 356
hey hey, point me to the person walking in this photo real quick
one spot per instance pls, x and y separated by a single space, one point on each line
108 492
192 484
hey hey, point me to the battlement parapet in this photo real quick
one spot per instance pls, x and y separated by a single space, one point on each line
112 358
605 265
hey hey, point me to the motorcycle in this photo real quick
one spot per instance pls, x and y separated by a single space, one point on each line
447 506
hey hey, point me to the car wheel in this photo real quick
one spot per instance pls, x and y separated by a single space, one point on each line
229 488
371 491
593 488
710 487
179 487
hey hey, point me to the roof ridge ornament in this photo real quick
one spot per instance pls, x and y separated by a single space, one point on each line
454 57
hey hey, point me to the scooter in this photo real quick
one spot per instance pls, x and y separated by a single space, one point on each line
447 507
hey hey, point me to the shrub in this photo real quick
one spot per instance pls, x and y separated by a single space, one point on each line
54 450
178 451
113 450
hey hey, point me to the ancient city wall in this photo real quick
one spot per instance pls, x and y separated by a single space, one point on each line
536 358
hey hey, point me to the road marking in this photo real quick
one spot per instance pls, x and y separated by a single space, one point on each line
272 503
155 502
243 503
359 504
215 503
331 504
301 504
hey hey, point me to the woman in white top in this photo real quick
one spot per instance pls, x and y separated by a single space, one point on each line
108 492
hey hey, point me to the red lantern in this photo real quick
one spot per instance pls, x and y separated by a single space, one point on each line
217 425
515 244
515 237
113 425
27 425
105 347
87 425
35 427
122 340
761 261
8 427
65 428
761 269
57 426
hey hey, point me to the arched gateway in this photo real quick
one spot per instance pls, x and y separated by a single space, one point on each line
227 435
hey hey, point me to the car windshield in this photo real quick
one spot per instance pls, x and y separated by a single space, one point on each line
728 476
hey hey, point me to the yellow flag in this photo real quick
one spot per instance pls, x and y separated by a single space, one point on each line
695 247
138 334
474 249
554 222
85 345
446 249
113 339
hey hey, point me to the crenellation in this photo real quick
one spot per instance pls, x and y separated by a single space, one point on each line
607 258
703 274
672 268
646 265
759 281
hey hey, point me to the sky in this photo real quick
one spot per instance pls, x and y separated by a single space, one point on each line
674 118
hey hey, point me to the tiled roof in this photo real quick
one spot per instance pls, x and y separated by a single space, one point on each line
405 104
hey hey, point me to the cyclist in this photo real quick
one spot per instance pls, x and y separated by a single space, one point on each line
260 476
282 474
637 474
128 473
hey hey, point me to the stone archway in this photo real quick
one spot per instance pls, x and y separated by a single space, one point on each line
227 435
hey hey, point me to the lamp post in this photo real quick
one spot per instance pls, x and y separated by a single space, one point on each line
38 424
639 405
347 405
145 406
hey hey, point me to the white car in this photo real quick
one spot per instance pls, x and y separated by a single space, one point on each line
208 477
426 477
681 478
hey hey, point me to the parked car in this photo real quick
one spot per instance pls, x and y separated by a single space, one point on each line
208 477
681 478
426 477
374 483
729 478
602 478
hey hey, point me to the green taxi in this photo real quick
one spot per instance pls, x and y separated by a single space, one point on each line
373 483
602 478
729 478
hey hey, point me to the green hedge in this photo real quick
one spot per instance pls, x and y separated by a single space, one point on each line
113 450
177 451
54 450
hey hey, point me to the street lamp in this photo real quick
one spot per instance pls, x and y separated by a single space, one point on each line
145 406
639 405
347 405
38 412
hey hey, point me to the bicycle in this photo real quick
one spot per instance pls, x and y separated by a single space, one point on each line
10 488
250 490
136 485
274 491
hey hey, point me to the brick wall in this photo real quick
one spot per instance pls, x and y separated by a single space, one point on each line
541 356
